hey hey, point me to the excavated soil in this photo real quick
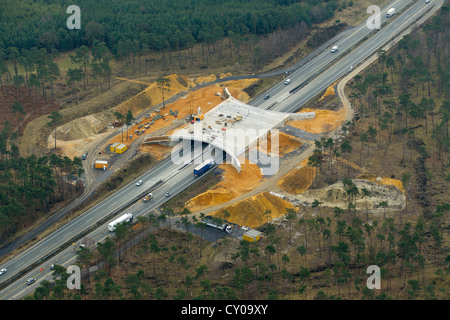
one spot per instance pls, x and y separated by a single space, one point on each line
250 211
324 122
90 127
335 196
283 144
298 180
234 184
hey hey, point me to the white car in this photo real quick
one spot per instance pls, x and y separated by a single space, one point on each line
139 183
427 1
334 49
31 281
287 81
167 194
2 271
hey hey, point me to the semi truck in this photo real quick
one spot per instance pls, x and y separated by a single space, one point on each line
208 220
390 12
202 168
125 218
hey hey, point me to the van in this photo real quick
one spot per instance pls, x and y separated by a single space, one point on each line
334 49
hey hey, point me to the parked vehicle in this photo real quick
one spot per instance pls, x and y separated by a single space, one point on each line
209 221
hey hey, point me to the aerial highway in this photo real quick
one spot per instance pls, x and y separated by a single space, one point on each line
316 75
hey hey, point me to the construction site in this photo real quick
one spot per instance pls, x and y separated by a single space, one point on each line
243 191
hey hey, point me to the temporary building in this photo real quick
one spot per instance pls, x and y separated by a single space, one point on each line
121 148
252 235
112 148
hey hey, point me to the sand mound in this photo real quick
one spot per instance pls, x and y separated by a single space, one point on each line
298 180
329 91
234 184
382 180
84 127
286 144
209 78
335 196
250 211
324 122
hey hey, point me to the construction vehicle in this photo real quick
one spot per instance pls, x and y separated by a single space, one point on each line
202 168
209 221
147 198
125 218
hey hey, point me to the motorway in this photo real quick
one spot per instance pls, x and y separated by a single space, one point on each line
321 71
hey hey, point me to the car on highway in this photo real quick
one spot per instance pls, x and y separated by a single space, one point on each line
427 1
2 271
139 183
167 194
267 96
31 281
287 81
334 49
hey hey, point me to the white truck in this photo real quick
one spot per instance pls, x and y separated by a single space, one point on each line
209 221
390 12
126 217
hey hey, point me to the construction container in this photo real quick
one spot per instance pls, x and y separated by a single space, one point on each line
101 164
252 235
112 148
121 148
199 117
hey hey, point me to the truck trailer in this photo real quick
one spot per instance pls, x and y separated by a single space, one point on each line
208 220
202 168
390 12
126 217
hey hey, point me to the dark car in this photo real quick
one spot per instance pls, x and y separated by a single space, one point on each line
267 96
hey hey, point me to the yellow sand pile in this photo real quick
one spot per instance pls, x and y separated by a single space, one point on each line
209 78
324 122
250 211
285 144
298 180
224 75
329 91
382 180
152 95
234 184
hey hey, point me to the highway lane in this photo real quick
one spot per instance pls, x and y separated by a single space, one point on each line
337 70
280 91
180 181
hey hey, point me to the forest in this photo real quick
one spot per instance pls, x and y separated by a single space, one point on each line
157 25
